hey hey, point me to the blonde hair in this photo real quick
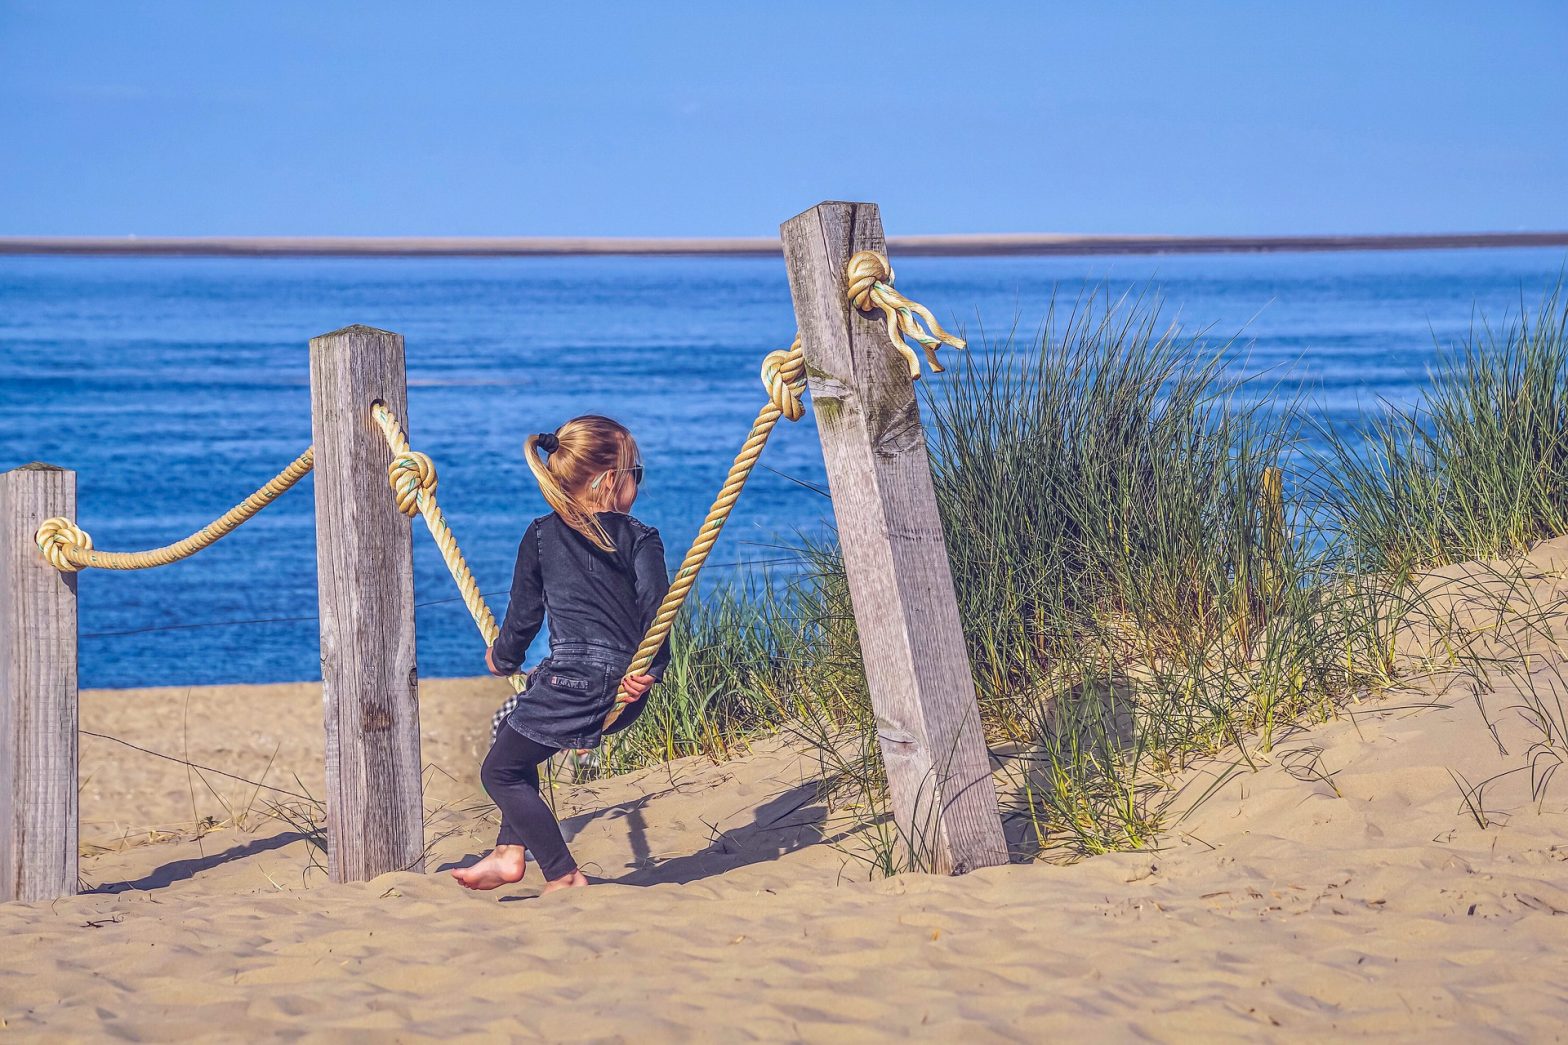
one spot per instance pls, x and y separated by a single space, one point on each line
585 449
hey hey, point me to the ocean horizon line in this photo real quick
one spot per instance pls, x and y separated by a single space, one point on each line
940 245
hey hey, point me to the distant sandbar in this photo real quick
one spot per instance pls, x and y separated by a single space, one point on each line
963 245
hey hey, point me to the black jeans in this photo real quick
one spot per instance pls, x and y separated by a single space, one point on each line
510 775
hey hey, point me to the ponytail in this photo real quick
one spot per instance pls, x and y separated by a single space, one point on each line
580 451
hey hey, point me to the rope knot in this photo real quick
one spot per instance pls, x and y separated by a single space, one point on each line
412 475
784 376
55 536
870 279
864 271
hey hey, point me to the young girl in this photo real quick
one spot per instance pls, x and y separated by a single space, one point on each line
600 574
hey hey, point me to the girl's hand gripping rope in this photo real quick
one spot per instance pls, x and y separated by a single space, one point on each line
633 687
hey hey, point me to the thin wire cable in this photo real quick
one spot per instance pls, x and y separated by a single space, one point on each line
254 620
423 604
195 765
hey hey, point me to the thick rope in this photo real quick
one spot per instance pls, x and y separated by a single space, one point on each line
871 286
67 547
784 376
413 479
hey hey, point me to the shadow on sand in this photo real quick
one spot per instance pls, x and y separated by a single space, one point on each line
182 870
783 824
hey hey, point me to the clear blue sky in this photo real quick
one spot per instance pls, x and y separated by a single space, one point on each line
725 118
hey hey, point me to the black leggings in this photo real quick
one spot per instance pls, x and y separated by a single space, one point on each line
511 775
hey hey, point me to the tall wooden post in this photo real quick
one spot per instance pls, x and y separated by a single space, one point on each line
928 719
38 709
365 581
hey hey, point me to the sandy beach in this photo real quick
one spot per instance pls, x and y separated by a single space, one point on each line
1339 884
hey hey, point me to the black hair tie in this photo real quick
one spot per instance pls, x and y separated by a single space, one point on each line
548 442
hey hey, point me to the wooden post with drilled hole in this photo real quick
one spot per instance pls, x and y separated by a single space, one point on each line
895 557
38 701
365 584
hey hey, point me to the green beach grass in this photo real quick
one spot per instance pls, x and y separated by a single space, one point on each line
1475 470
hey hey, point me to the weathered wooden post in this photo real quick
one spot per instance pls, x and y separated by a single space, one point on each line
38 709
928 719
365 581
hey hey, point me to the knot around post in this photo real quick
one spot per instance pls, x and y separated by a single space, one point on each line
412 475
784 376
864 271
870 285
56 537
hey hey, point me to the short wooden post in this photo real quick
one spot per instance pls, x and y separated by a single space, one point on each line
900 583
38 709
365 583
1272 496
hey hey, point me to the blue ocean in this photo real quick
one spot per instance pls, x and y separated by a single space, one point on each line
175 386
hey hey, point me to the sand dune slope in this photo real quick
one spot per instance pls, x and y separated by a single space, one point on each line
1343 888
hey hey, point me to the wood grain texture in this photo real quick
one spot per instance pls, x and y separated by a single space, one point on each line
365 582
38 709
900 582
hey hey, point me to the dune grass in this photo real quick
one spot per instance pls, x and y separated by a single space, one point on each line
1138 589
1476 469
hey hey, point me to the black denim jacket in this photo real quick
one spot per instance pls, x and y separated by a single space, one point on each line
599 603
592 596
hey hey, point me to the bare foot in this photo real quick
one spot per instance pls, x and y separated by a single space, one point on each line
503 866
575 880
